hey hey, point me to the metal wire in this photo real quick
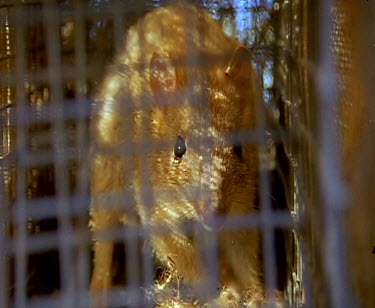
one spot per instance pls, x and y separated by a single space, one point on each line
73 65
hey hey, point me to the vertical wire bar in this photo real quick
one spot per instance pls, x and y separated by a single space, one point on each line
118 26
209 239
147 199
21 185
267 223
132 264
131 238
80 63
331 185
266 220
65 233
147 196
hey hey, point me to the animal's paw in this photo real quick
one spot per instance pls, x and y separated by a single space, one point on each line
228 297
256 299
177 303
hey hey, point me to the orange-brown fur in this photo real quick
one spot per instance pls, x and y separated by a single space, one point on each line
357 115
175 35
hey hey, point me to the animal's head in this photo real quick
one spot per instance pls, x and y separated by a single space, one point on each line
201 117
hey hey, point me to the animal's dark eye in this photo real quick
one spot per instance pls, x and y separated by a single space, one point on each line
179 147
237 149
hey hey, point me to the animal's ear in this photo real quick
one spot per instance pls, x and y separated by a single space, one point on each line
240 64
163 79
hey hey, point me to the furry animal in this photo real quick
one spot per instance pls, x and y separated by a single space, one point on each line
171 112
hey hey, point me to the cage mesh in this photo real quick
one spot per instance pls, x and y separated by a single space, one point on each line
53 56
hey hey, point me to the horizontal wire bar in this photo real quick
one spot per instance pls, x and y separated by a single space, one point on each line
49 240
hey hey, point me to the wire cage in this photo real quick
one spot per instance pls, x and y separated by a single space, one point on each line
316 197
